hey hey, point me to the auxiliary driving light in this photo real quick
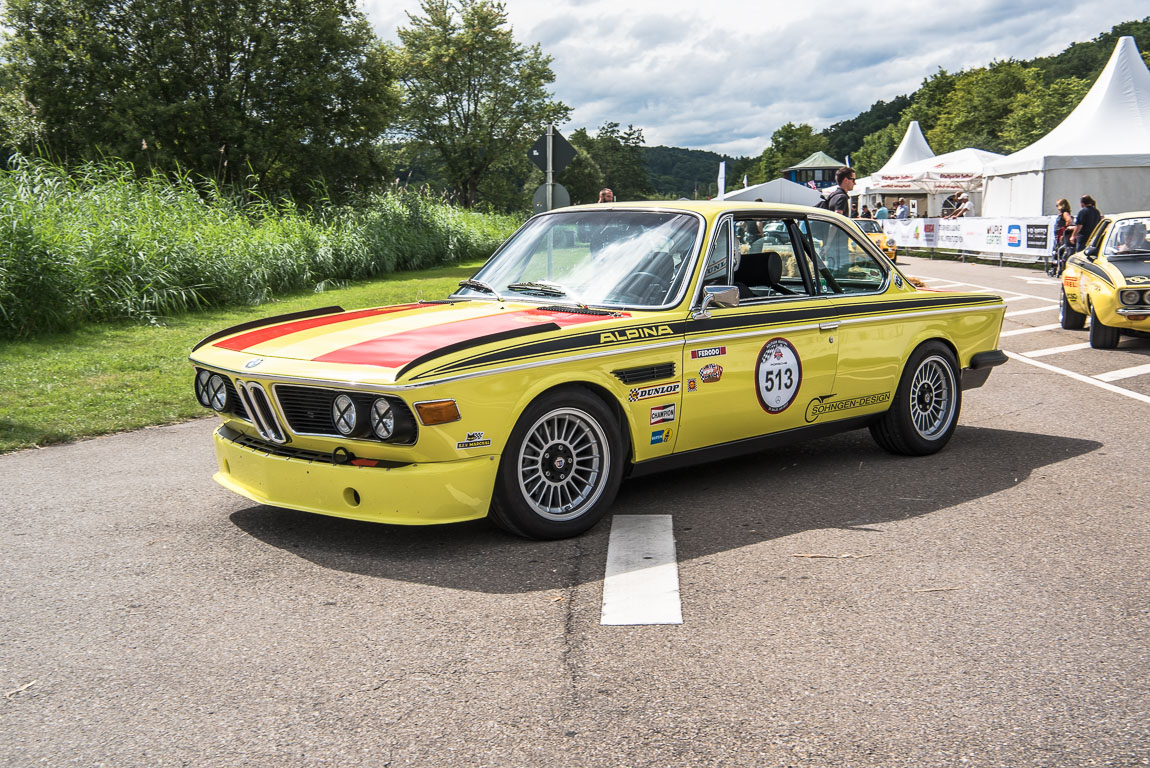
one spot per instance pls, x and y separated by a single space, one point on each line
217 390
202 377
382 419
343 414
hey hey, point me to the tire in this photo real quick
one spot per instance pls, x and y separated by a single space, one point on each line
926 404
561 468
1068 317
1102 336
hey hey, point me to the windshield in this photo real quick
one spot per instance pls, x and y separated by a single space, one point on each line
605 257
1128 236
868 226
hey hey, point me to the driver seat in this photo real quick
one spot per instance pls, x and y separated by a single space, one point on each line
759 269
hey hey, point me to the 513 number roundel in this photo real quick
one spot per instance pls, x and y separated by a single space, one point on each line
778 374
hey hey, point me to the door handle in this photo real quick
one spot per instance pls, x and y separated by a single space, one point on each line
829 326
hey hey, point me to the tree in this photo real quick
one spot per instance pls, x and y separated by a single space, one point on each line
282 92
790 144
878 147
1034 113
976 111
619 155
471 92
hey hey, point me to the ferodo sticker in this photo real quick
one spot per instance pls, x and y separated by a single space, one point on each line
474 440
708 352
661 414
643 393
778 375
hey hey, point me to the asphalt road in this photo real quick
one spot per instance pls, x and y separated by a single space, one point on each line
994 609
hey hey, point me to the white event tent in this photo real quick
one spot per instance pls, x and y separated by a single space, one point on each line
777 191
1102 149
911 149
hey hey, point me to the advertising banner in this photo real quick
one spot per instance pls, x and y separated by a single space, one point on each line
1025 239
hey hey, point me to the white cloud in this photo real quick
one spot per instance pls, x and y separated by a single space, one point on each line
724 75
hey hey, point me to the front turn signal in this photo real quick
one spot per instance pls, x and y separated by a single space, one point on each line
435 412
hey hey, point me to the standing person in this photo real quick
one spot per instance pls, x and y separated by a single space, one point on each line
1064 224
962 207
881 212
606 195
866 214
902 211
1084 224
836 198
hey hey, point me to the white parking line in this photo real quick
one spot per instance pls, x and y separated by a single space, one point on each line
1032 329
1123 373
1017 312
1057 350
641 585
1079 377
1004 291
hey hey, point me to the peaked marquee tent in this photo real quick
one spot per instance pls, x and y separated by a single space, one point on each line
911 149
1102 149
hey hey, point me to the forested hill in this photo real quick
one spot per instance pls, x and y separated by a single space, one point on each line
676 172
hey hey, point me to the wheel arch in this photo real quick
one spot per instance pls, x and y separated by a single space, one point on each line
608 398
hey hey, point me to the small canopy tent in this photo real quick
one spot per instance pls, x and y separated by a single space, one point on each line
937 177
777 191
911 149
1102 149
819 168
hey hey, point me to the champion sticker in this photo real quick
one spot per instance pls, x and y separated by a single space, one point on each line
697 354
661 414
711 372
644 393
474 440
778 375
660 436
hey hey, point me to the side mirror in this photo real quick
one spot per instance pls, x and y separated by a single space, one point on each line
718 296
1091 252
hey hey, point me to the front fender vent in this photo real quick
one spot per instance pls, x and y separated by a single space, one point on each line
645 373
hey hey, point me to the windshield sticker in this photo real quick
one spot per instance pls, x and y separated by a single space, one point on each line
660 436
708 352
820 406
474 440
645 393
632 334
661 414
778 375
711 372
692 385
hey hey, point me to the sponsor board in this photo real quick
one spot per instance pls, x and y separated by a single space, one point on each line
778 375
660 436
708 352
820 405
1014 236
661 414
645 393
1037 236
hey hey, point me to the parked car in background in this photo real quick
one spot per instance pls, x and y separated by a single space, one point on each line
1109 281
873 229
598 342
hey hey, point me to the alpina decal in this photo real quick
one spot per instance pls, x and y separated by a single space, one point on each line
634 334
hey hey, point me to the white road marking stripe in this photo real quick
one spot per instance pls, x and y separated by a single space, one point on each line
1080 377
1123 373
1017 312
1057 350
1032 329
1019 297
1001 291
642 581
944 284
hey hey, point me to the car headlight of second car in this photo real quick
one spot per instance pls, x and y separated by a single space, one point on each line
1130 297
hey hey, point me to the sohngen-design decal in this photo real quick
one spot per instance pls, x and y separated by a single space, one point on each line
819 406
778 375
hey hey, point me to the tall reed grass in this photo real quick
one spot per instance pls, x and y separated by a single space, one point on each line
98 243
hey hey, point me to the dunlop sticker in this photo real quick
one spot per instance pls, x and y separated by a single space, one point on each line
644 393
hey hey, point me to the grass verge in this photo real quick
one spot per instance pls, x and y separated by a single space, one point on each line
113 377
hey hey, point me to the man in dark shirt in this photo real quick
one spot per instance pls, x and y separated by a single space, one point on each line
837 197
1085 222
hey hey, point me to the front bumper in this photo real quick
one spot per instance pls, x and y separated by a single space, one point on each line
402 494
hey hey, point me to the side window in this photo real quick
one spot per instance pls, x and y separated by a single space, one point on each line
1100 233
772 262
845 265
717 270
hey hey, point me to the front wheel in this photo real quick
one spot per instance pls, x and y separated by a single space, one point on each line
1068 317
561 468
925 409
1102 336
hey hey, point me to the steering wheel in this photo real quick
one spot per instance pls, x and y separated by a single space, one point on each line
647 282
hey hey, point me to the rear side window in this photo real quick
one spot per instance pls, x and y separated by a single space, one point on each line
772 261
845 264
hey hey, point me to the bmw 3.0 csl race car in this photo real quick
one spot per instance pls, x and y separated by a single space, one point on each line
1109 281
598 342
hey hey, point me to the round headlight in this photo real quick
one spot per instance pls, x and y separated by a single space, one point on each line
382 419
202 388
1130 297
890 243
1146 297
217 390
343 414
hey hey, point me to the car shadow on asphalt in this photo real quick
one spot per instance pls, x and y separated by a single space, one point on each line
844 481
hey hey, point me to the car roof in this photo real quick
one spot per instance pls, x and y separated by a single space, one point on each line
707 208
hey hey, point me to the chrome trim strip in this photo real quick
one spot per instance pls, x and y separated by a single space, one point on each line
1133 311
745 334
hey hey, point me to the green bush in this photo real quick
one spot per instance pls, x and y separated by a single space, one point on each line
99 243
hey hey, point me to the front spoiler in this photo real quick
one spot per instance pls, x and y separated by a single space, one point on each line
980 366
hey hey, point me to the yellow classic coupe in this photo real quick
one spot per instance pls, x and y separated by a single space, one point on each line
598 342
873 229
1109 281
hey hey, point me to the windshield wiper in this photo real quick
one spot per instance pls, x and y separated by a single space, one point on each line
547 289
479 285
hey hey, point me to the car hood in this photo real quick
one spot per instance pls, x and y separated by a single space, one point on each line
407 336
1135 270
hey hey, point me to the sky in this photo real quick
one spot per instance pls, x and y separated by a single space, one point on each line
722 75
